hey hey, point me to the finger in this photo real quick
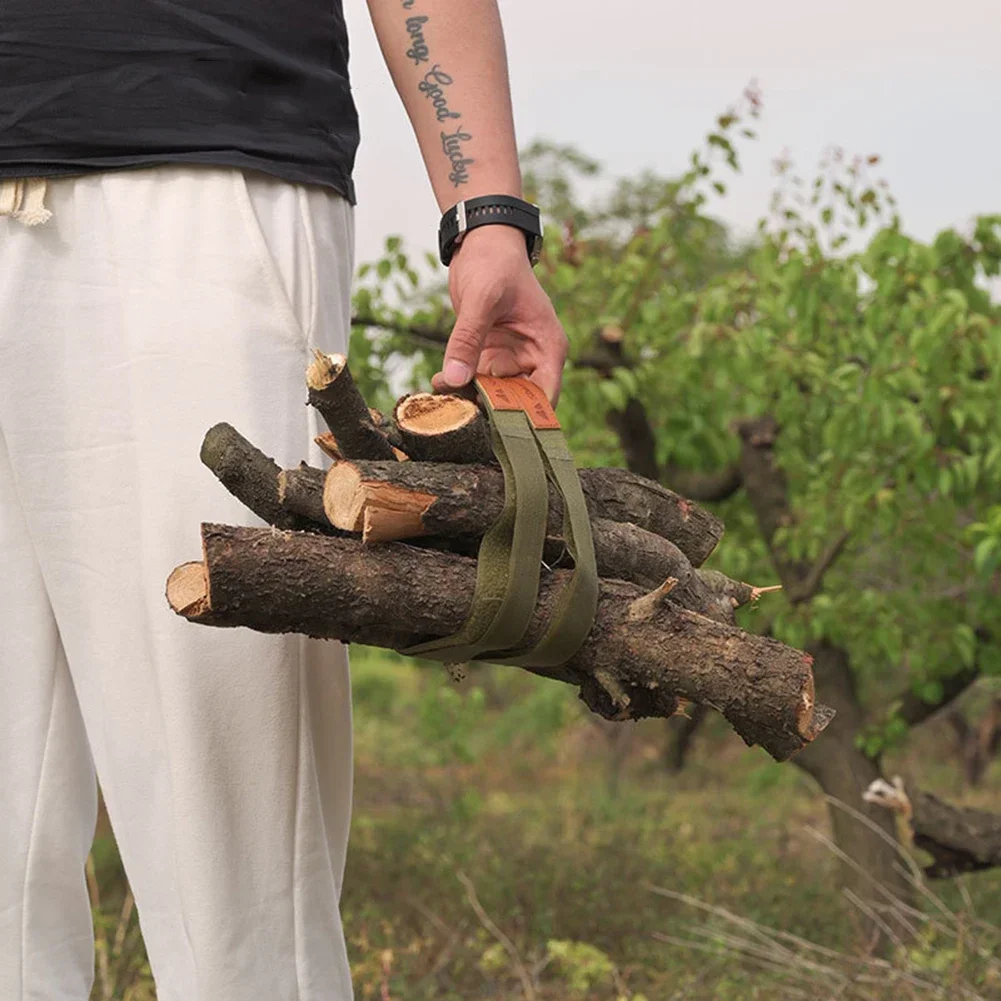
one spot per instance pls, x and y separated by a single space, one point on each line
551 350
462 353
440 386
502 363
549 378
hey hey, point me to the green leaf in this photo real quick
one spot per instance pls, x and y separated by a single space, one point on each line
614 393
965 641
985 555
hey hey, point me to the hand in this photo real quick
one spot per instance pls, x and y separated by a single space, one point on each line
505 324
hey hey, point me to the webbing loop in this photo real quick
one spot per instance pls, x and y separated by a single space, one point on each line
530 447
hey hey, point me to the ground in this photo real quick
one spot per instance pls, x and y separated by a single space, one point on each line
497 854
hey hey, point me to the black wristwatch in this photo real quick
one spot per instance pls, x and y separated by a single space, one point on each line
485 211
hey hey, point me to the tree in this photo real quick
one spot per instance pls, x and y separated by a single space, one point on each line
833 386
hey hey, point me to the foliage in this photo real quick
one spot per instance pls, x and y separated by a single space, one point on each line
878 354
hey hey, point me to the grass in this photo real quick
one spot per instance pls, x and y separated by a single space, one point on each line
496 854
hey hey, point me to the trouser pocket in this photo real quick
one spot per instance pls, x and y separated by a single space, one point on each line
279 231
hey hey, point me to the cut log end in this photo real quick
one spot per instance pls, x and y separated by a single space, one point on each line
430 414
188 590
805 714
386 524
343 498
324 370
381 511
442 428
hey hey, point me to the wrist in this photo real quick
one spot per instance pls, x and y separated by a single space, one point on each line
493 212
497 237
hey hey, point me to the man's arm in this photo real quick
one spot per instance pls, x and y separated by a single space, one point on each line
449 66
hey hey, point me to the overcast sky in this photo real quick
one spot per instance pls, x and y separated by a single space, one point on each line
637 83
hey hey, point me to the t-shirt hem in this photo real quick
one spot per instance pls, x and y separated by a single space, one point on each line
296 173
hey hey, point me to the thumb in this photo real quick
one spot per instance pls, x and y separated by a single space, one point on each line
462 353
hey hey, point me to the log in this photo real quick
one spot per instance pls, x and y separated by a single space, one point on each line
293 498
334 394
388 428
642 656
328 443
248 474
384 512
449 498
300 492
625 497
442 428
959 838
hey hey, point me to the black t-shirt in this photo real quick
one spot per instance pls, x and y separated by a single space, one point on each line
98 84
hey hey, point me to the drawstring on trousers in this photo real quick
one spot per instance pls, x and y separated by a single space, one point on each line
23 199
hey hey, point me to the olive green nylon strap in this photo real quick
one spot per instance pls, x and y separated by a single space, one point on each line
510 555
573 616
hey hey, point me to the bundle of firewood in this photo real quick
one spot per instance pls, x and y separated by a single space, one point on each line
381 549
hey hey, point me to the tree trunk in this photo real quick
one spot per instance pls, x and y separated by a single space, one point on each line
844 773
976 746
681 731
959 838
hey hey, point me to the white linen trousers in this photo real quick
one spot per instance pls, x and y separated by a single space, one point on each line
153 304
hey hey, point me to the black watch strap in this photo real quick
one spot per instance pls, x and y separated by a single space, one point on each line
485 211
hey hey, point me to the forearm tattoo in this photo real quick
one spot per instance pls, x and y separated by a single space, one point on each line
434 86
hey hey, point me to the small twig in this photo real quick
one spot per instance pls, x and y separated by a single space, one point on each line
430 915
876 919
437 336
810 585
387 968
100 935
118 950
759 931
444 956
876 829
526 981
852 864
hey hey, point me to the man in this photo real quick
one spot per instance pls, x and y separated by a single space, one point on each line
175 186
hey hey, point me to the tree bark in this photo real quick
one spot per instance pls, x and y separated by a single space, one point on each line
960 839
389 508
248 474
641 657
443 428
451 499
841 769
977 745
334 394
300 491
388 428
